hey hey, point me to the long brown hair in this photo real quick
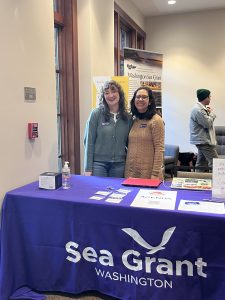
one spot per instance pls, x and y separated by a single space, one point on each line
114 86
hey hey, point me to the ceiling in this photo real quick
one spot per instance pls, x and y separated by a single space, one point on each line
160 7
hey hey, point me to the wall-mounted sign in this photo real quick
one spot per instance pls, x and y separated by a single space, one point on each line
29 94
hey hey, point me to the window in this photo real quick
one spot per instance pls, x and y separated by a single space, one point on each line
126 34
57 70
67 95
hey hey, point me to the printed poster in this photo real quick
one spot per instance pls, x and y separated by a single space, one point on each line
218 188
98 83
144 68
155 199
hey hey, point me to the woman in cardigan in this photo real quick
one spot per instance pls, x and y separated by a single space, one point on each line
145 155
106 134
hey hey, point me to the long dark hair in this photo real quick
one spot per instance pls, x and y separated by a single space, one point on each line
115 86
151 110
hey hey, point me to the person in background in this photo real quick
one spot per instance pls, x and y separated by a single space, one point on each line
145 156
106 134
202 132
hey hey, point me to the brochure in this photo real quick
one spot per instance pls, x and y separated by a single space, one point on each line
191 183
202 206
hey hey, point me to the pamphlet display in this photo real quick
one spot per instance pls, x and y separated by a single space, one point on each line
191 183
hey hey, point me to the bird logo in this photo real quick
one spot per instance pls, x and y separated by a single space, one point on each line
131 66
139 239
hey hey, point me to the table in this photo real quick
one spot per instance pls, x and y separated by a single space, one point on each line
62 241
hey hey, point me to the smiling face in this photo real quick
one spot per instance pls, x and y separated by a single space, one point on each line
142 101
112 99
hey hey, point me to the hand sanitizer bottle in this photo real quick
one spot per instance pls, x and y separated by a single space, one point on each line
66 176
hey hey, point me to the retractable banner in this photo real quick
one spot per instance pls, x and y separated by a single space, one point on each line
144 68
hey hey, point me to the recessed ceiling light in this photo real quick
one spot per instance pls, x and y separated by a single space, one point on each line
171 2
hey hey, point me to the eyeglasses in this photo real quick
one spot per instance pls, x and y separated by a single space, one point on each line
143 97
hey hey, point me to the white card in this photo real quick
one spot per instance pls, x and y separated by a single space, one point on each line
96 198
104 193
114 200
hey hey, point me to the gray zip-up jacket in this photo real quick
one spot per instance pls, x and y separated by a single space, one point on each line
201 126
105 141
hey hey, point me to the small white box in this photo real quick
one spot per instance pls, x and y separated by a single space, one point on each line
50 180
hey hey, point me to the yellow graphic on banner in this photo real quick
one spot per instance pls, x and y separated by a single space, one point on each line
98 83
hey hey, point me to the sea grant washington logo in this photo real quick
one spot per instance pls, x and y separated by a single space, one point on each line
136 236
134 261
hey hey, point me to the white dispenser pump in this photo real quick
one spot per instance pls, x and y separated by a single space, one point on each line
66 175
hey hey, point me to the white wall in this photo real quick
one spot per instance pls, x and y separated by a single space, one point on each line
26 60
132 11
194 57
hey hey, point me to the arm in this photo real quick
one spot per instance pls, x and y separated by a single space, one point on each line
130 123
87 173
203 118
89 141
158 136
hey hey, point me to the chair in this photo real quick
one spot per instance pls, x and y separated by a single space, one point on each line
171 158
220 137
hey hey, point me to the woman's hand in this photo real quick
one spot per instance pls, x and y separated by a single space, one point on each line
87 173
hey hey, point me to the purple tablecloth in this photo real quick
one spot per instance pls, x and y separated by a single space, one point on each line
62 241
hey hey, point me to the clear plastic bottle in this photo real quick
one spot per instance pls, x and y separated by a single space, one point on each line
66 176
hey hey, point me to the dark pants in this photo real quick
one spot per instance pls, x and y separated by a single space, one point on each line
206 153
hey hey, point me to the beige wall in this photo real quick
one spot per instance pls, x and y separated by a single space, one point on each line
194 57
26 60
132 11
